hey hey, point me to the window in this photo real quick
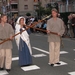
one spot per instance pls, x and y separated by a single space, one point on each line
14 6
25 6
35 6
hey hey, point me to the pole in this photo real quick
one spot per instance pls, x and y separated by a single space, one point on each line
67 5
39 8
8 39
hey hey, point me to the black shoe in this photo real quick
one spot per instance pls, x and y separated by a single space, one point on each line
58 63
52 64
1 68
8 70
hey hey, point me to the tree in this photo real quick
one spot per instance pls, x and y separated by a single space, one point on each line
48 9
50 6
28 14
56 6
40 11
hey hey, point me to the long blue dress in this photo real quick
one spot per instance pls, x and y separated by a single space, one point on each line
25 58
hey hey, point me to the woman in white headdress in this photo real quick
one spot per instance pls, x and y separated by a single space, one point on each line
23 43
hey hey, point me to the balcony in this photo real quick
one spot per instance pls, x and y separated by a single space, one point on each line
14 10
14 2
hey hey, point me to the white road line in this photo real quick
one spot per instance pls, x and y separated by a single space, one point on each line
39 55
71 73
37 35
44 51
63 52
62 64
36 55
74 49
4 72
30 68
40 35
15 58
41 50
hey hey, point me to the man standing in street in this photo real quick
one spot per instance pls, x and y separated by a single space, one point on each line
55 25
6 31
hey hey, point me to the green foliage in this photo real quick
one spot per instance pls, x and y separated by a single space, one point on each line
28 14
48 9
45 11
40 11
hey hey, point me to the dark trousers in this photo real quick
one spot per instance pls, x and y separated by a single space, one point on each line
74 30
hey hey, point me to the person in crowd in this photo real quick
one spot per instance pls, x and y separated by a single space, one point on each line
55 25
23 43
73 24
44 25
70 29
6 31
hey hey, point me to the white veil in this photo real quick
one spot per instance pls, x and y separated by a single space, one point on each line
24 35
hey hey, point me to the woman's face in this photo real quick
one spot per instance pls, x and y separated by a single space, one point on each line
22 21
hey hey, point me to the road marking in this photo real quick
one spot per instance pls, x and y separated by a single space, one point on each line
74 49
41 50
39 55
4 72
71 73
61 52
37 35
36 55
62 64
15 58
30 68
41 35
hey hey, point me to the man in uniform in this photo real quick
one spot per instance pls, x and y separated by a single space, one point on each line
6 31
56 25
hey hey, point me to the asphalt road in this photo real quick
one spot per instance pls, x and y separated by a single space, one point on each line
41 58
